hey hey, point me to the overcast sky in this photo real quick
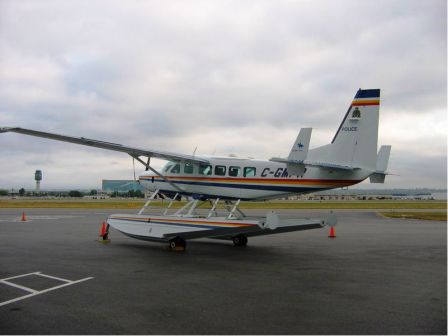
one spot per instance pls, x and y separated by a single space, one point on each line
237 77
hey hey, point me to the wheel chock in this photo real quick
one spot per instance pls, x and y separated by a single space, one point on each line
104 234
178 249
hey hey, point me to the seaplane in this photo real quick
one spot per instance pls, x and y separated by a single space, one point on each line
350 158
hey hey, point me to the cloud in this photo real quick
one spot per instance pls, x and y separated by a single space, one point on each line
230 76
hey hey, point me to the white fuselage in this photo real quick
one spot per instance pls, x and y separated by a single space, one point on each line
247 179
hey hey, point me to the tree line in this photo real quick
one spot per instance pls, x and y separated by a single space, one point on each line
76 193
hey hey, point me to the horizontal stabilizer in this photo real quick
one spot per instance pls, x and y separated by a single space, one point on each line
382 159
377 178
298 153
299 150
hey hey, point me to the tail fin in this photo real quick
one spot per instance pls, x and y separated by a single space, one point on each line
356 140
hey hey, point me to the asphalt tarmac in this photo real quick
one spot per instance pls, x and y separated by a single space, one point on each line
379 276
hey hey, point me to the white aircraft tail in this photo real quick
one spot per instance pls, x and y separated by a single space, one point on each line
356 140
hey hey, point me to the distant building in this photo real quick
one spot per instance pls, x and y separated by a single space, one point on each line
98 195
442 196
110 186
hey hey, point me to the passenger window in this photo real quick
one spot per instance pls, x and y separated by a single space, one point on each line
234 171
249 171
188 169
176 169
220 170
205 169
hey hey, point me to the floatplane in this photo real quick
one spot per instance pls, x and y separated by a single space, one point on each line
350 158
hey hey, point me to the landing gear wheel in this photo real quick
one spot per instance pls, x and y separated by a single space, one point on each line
239 240
177 244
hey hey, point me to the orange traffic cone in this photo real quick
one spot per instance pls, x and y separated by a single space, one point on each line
103 229
104 232
23 216
332 234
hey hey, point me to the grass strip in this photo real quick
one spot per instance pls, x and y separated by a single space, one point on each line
437 216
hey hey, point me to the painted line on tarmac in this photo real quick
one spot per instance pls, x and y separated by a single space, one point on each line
34 292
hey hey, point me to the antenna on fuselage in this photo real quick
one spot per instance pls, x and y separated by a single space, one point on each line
195 149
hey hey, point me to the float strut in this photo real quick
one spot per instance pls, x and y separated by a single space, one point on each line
215 203
233 209
171 203
149 201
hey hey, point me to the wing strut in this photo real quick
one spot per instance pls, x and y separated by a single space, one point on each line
155 172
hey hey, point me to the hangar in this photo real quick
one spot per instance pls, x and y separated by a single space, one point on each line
110 186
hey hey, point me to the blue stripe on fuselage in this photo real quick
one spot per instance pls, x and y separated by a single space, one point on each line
249 186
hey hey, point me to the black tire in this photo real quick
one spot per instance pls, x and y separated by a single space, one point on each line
177 244
239 240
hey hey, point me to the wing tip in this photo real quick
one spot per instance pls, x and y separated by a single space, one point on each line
6 129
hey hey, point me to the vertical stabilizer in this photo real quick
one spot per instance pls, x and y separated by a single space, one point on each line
356 140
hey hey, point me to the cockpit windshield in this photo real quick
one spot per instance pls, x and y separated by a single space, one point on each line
168 166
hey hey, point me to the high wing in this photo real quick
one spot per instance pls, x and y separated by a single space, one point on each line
132 151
